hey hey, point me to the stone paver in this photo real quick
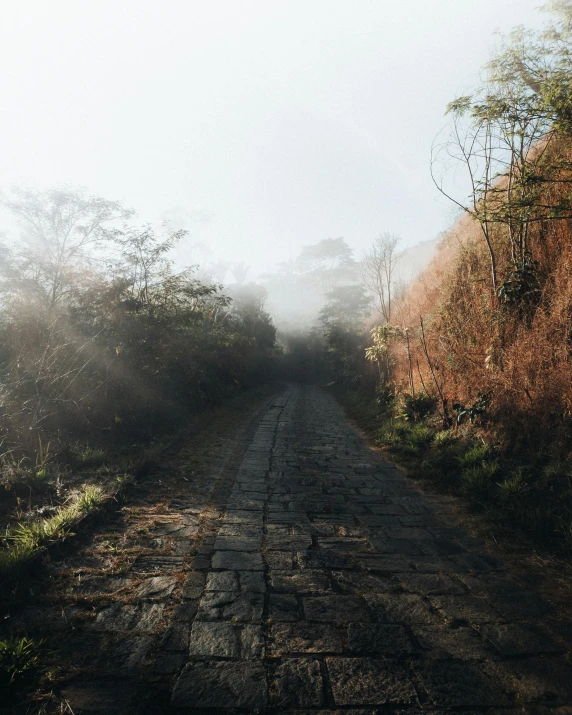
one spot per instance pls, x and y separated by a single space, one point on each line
315 578
368 593
222 685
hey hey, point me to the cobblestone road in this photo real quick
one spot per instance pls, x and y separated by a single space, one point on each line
319 579
333 583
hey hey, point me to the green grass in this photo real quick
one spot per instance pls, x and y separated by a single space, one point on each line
13 557
19 663
474 456
444 439
35 470
478 480
39 479
90 456
531 493
26 538
420 436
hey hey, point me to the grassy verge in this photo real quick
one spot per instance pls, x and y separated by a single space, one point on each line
44 496
26 539
20 664
31 662
530 492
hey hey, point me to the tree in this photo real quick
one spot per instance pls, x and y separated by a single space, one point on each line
383 337
503 134
124 342
254 321
329 263
379 271
341 326
143 261
346 307
58 226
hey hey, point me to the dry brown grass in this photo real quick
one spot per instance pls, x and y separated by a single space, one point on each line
478 345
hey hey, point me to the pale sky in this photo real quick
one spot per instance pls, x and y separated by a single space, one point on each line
263 125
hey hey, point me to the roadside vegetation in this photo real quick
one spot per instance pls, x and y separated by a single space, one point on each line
20 664
532 495
26 538
469 375
105 353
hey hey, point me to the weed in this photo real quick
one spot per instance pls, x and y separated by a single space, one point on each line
534 497
475 412
90 456
19 662
26 538
384 395
40 476
414 408
420 435
13 470
388 437
477 480
444 438
42 456
123 480
558 471
474 456
14 556
514 486
88 498
38 479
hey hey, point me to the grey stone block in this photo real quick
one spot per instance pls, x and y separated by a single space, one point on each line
193 585
303 637
154 564
217 686
405 608
368 681
299 581
226 640
297 684
237 543
282 607
429 584
465 608
156 587
454 684
446 643
359 582
391 641
237 560
252 582
512 639
222 581
335 609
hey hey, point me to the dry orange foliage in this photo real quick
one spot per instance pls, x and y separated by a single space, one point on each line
477 345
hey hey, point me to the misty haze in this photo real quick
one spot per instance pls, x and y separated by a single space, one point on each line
286 357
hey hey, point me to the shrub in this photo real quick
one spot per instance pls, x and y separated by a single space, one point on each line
414 408
477 481
420 436
514 485
444 439
474 456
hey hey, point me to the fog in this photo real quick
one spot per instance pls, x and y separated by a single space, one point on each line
258 127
